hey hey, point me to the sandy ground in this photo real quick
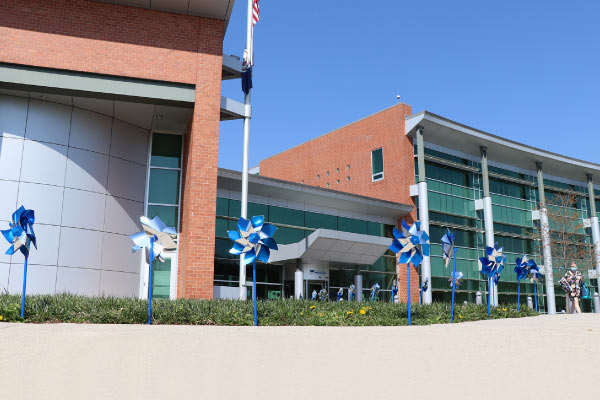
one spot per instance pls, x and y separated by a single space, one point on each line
503 359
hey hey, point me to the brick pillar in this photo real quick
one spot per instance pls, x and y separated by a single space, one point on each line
199 182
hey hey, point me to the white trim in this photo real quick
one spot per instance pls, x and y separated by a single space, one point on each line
173 256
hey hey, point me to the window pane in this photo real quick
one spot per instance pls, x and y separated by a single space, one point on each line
166 150
167 213
161 279
377 161
164 186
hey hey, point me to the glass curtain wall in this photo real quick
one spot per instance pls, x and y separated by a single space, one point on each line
163 198
453 185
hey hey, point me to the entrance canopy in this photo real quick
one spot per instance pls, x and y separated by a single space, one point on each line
335 246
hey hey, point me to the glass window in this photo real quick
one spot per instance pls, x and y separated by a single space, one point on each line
164 186
161 279
352 225
166 150
316 220
377 164
169 214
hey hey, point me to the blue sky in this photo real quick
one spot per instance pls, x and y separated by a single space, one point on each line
525 70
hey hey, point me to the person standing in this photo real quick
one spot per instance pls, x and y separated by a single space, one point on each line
571 284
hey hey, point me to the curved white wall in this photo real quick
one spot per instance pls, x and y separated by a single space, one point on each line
84 174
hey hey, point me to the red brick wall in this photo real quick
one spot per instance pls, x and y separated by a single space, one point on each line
352 145
97 37
91 36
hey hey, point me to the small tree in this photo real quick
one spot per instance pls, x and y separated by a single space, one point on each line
567 233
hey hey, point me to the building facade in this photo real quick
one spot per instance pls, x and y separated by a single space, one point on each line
486 188
109 111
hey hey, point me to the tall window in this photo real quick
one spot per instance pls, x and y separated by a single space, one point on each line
163 200
377 164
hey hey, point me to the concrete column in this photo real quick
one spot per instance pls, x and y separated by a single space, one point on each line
546 250
423 210
358 282
488 217
299 284
594 223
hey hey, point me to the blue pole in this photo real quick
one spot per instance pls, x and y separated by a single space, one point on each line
453 286
489 293
150 281
420 293
518 294
408 284
24 289
254 292
535 291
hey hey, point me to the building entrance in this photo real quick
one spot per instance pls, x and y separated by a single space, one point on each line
317 285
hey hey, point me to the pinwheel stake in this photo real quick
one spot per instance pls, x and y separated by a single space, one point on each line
534 274
522 270
412 244
455 281
491 266
253 239
20 236
155 236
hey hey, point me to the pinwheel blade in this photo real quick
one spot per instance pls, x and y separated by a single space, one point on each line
397 234
263 254
267 230
249 256
257 222
244 225
270 243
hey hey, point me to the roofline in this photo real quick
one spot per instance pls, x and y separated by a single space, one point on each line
334 194
337 129
497 139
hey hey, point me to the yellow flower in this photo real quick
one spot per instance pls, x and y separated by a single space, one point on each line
504 309
312 307
321 314
1 318
363 312
459 316
349 312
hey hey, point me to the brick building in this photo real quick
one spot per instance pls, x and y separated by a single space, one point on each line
108 111
484 187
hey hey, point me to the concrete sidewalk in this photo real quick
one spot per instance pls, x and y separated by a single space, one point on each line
503 359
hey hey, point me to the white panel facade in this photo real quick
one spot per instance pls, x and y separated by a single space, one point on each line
83 172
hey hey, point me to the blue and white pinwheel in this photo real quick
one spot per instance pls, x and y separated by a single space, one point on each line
524 265
535 274
447 246
313 297
423 289
394 289
340 294
352 290
458 278
411 243
253 239
491 266
375 291
157 232
323 295
155 237
20 236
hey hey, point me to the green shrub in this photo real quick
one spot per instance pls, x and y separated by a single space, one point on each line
112 310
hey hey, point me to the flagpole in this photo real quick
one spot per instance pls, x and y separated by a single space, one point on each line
246 148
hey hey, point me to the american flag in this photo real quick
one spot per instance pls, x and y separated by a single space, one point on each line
255 12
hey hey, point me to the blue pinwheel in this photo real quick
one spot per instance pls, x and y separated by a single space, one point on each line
535 274
340 294
423 289
413 245
323 296
155 237
254 240
394 289
457 281
375 291
20 236
491 266
313 297
352 290
523 268
447 246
